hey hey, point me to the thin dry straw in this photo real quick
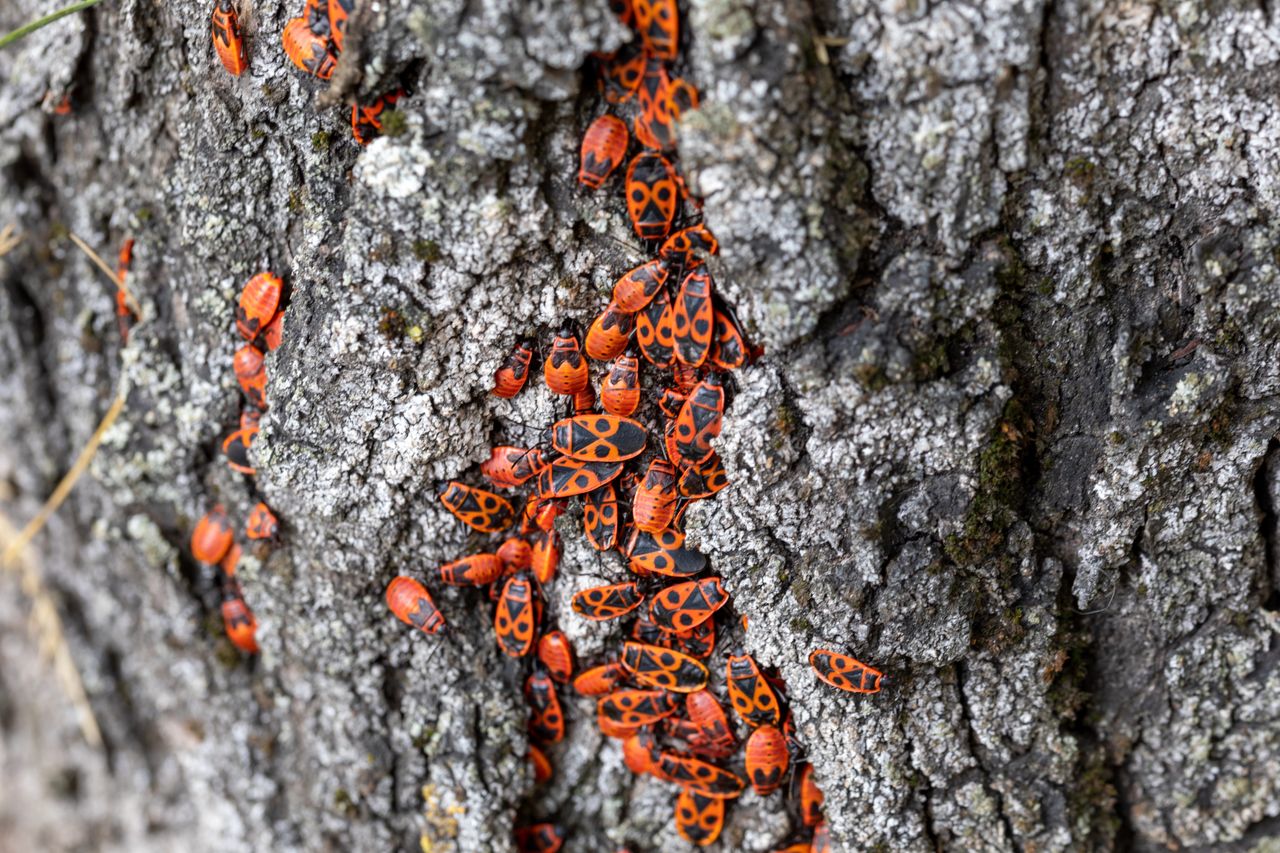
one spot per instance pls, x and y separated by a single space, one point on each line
111 274
28 29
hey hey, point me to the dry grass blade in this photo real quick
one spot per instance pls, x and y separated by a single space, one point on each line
44 613
110 273
28 29
8 239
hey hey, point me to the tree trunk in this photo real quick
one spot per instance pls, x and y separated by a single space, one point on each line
1011 440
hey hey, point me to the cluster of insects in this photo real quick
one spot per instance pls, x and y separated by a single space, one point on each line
636 477
313 42
259 317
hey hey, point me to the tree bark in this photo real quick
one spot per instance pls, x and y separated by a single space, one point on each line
1012 440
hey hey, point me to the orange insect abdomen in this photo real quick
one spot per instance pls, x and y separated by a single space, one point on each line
603 147
226 38
565 370
546 556
638 286
655 501
212 537
620 389
766 759
556 654
608 335
651 195
412 605
600 679
475 570
262 523
237 619
811 797
307 50
248 365
259 300
511 376
515 553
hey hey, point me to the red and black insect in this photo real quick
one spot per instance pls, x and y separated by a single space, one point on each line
663 553
656 331
226 37
640 752
684 97
546 555
692 318
541 765
412 605
728 343
516 554
236 448
601 603
766 759
366 120
810 796
511 376
696 775
475 570
699 421
599 438
339 12
608 335
697 642
689 246
651 195
684 606
600 679
658 23
655 666
546 719
508 467
306 50
259 301
515 621
479 509
237 619
620 388
603 147
556 654
638 286
231 560
655 126
212 537
654 504
620 73
706 713
262 522
699 818
637 707
600 520
845 672
703 479
565 370
565 478
750 693
250 373
539 838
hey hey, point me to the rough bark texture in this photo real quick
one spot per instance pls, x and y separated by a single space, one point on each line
1014 267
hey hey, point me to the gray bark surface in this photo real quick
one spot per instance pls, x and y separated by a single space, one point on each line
1012 441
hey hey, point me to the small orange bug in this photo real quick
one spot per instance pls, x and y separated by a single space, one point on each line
511 376
236 448
662 553
845 672
705 712
515 621
638 286
810 797
124 315
565 478
766 759
658 23
231 560
655 331
237 619
212 537
603 147
692 318
655 502
621 72
556 654
599 438
258 302
273 334
601 603
750 693
683 248
684 606
546 719
307 50
366 121
516 553
639 752
651 195
339 12
475 570
699 819
541 766
226 37
546 555
728 343
262 523
508 467
477 508
600 679
252 376
703 479
539 838
620 388
654 666
565 370
637 707
412 605
699 421
696 775
608 335
600 517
